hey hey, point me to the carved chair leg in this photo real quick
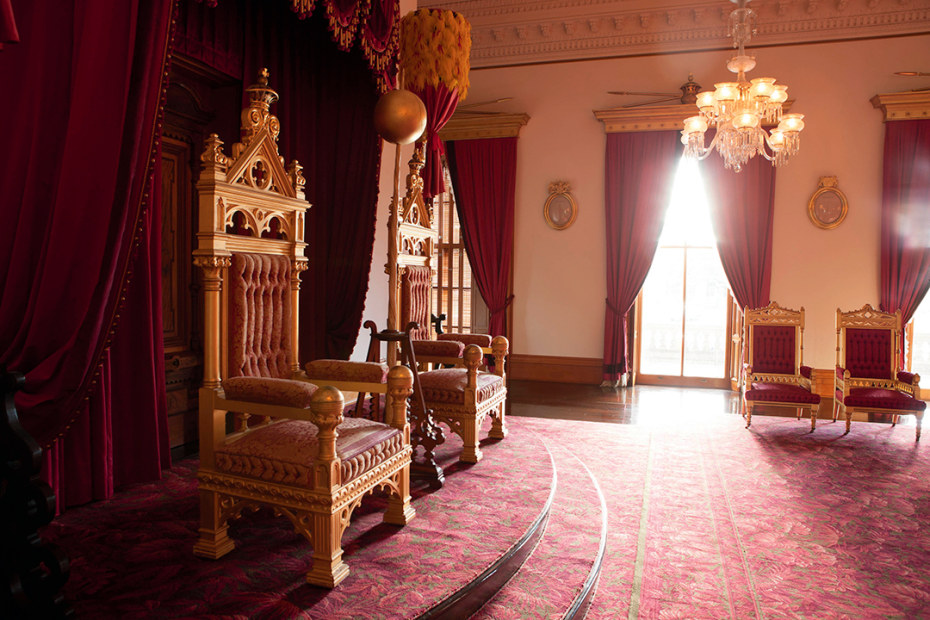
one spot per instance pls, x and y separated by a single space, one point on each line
836 409
498 423
894 420
749 407
920 418
799 411
328 568
214 541
848 419
399 511
814 410
471 452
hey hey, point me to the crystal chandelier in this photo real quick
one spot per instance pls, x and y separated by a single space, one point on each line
738 109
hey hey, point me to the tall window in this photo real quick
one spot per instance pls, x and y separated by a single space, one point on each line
454 293
683 330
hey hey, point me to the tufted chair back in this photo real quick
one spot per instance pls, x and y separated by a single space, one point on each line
870 353
415 286
259 316
774 349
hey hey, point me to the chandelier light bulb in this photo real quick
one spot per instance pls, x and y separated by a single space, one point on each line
746 120
726 91
791 122
762 88
706 100
695 124
780 94
777 140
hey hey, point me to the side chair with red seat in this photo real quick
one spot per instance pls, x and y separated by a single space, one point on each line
868 375
774 373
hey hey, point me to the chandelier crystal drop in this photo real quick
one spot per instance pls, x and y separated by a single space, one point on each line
739 109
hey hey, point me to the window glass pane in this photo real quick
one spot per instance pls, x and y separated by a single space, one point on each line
687 221
660 352
920 354
705 314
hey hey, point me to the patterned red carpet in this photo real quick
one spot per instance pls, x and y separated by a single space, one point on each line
710 520
132 556
706 520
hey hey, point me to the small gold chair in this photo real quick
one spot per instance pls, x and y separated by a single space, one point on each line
868 378
774 373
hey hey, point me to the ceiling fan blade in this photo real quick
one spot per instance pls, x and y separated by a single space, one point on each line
643 94
483 103
912 74
651 102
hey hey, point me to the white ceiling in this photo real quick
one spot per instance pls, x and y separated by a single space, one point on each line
513 32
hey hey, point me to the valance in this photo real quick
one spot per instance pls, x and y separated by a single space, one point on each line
372 24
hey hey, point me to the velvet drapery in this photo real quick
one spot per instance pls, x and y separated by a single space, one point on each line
905 240
904 271
440 102
80 245
327 103
484 174
742 206
640 168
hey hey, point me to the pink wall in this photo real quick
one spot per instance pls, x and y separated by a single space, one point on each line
559 283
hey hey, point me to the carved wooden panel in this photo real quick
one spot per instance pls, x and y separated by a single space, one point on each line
176 240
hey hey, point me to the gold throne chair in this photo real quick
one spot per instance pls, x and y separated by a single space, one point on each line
868 378
463 395
267 435
774 372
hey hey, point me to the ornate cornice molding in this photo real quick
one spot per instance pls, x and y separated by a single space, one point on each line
472 127
903 106
513 32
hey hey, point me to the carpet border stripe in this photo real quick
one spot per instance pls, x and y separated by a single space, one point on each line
579 607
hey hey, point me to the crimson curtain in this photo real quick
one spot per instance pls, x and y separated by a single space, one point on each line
905 241
326 109
741 209
484 176
640 168
79 249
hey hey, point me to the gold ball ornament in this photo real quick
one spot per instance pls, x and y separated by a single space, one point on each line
400 117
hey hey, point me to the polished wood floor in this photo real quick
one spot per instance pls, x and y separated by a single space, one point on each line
636 405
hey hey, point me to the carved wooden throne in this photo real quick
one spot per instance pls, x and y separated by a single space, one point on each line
463 396
868 378
289 447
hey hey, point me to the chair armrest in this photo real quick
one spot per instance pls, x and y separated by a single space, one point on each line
910 378
282 392
840 391
482 340
806 371
500 347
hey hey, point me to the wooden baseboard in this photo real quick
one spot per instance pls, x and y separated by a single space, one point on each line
555 369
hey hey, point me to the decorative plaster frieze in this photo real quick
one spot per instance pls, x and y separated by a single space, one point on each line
509 32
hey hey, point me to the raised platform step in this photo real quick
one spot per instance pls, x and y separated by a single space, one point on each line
558 580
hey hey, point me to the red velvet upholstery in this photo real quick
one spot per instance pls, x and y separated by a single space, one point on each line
878 398
773 349
259 311
806 371
868 353
415 287
284 452
438 348
448 385
907 377
340 370
271 391
781 393
482 340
